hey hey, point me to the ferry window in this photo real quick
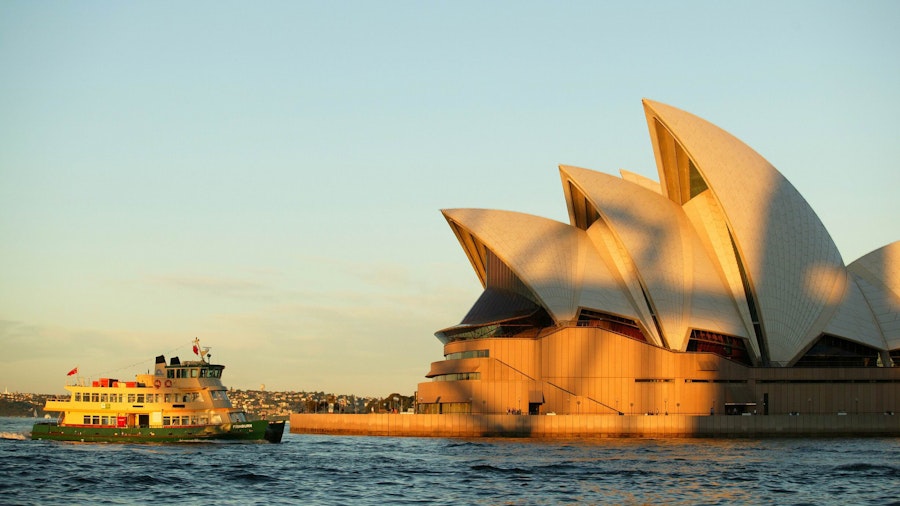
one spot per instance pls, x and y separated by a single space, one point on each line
104 397
130 397
87 419
203 373
140 398
95 420
168 398
77 396
170 373
193 373
95 397
167 420
195 396
204 420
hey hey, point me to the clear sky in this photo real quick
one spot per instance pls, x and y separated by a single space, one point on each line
268 176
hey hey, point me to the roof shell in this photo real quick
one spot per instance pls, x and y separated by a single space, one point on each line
794 268
723 243
878 276
556 261
671 262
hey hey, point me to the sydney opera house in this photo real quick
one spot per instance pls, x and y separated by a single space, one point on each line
716 289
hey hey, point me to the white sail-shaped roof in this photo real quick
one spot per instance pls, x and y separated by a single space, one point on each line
793 268
672 265
878 276
556 261
722 244
854 320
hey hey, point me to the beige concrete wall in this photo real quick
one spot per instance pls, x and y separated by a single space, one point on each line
582 370
595 425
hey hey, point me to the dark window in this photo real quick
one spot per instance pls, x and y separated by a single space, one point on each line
831 351
617 324
730 347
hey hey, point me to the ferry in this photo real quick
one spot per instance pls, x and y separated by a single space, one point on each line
178 402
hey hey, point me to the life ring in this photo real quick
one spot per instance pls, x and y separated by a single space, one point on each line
168 383
157 383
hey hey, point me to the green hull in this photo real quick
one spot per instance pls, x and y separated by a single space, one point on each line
257 430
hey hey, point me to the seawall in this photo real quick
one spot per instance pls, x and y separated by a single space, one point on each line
564 426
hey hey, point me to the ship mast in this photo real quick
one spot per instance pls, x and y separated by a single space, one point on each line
202 352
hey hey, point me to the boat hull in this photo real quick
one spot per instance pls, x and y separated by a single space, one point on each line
257 430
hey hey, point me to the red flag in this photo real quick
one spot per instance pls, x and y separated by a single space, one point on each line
73 371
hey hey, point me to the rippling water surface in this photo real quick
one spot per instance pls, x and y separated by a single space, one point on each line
369 470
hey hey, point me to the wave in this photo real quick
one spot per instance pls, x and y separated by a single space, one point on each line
13 435
868 469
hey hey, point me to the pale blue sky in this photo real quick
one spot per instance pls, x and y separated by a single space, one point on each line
268 175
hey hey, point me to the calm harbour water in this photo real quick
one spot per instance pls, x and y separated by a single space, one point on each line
308 469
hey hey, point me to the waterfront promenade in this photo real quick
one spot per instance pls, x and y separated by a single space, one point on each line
549 426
